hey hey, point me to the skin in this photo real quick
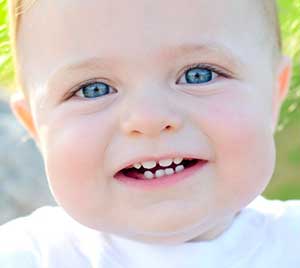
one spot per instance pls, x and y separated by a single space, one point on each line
152 110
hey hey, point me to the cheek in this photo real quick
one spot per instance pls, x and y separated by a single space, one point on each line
239 129
245 149
244 144
74 153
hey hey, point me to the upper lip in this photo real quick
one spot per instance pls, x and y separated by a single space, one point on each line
141 159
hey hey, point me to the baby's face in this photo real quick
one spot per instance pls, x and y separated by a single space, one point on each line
113 83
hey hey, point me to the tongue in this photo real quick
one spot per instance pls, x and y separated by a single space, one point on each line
134 174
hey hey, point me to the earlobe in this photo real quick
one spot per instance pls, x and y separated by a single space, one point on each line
282 87
20 107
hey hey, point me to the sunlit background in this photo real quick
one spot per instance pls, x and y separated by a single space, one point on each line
23 185
285 183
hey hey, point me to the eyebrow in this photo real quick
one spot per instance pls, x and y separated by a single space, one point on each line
212 48
95 63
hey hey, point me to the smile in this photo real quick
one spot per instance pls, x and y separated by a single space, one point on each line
159 173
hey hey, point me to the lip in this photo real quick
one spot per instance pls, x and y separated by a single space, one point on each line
162 182
157 159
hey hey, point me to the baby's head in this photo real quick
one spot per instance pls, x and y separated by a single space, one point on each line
109 84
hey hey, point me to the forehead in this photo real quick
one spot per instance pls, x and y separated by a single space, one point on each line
56 33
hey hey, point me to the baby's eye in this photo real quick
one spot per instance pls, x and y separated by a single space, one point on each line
199 75
93 90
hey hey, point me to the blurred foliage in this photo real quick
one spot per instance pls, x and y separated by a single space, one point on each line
289 13
6 63
285 183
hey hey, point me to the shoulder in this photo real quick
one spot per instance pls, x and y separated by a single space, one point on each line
24 229
49 236
281 214
20 239
281 229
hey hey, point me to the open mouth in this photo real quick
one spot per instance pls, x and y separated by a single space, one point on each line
154 170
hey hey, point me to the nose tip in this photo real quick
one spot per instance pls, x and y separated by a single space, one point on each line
150 125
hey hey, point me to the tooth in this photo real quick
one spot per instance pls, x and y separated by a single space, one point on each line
149 164
159 173
148 174
179 168
177 160
165 162
169 171
137 165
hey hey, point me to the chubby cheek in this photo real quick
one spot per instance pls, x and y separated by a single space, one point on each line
239 128
245 154
74 151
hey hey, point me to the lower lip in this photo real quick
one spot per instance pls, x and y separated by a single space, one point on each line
166 181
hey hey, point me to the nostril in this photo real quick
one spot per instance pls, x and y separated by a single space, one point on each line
168 127
135 132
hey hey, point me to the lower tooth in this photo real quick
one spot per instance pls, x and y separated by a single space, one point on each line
169 171
159 173
179 168
148 174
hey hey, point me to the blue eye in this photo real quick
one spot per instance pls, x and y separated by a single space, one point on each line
93 90
200 75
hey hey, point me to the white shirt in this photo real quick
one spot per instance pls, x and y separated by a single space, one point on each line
265 234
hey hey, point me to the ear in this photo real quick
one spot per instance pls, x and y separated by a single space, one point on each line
283 78
21 109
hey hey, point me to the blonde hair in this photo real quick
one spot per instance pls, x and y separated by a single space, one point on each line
17 7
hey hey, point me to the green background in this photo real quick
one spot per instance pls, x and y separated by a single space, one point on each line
285 183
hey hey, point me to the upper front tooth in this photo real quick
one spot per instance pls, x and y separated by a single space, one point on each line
137 165
178 160
149 164
165 162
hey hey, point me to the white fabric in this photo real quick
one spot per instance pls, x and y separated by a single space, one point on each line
265 234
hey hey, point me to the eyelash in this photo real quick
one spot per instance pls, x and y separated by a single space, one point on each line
209 67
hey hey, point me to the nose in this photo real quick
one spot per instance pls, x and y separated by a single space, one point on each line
150 118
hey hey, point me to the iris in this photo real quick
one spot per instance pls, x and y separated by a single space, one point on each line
198 75
95 90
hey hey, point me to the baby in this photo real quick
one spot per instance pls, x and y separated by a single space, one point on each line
156 122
